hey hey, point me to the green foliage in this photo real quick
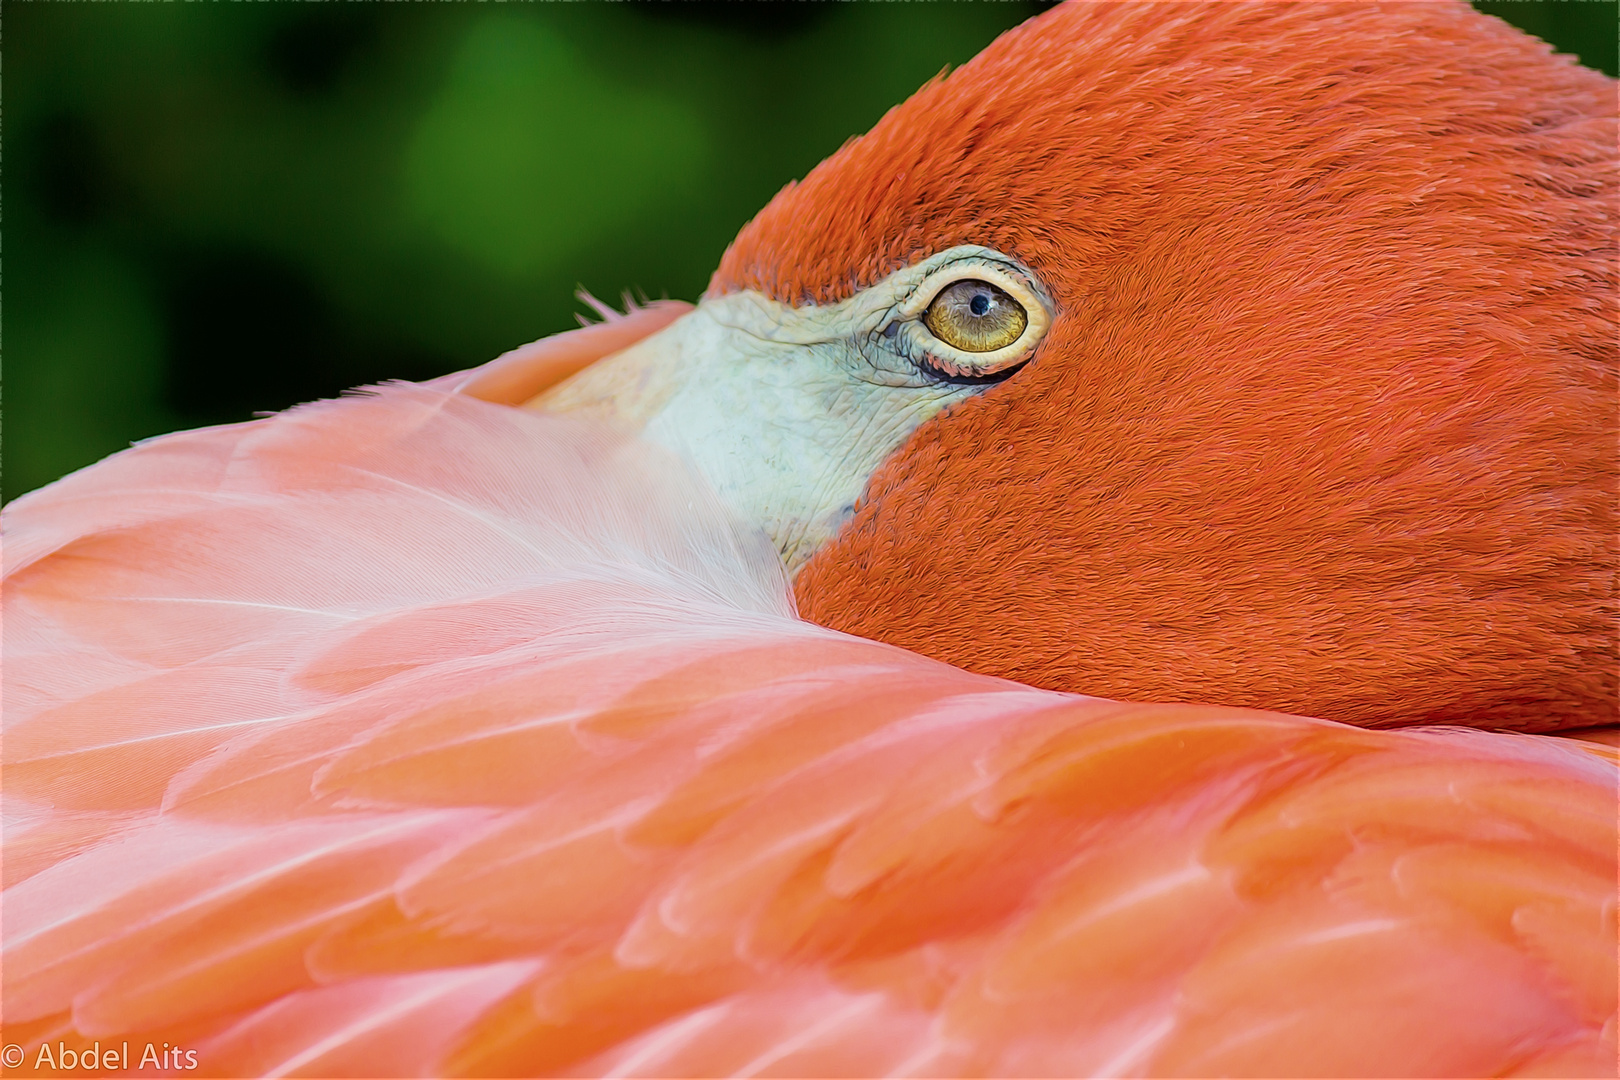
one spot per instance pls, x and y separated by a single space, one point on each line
529 153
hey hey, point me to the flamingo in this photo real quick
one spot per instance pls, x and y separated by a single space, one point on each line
1095 586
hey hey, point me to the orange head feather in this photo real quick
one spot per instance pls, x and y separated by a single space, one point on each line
1326 420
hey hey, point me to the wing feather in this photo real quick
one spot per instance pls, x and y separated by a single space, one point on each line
364 1027
418 734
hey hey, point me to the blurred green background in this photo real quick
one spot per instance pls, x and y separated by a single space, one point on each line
217 209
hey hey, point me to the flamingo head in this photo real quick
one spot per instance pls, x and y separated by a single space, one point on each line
1251 354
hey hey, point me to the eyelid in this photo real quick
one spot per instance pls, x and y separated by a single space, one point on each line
955 362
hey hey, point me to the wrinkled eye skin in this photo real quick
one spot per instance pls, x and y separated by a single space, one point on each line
968 317
975 316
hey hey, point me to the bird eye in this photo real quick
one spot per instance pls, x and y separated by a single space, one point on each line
975 316
968 316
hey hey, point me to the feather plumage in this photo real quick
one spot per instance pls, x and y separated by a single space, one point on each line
417 734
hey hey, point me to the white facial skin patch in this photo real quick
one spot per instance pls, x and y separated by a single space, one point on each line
789 410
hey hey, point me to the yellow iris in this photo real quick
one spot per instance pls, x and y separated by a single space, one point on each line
975 316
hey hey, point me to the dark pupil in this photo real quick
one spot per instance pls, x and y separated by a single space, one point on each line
979 304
